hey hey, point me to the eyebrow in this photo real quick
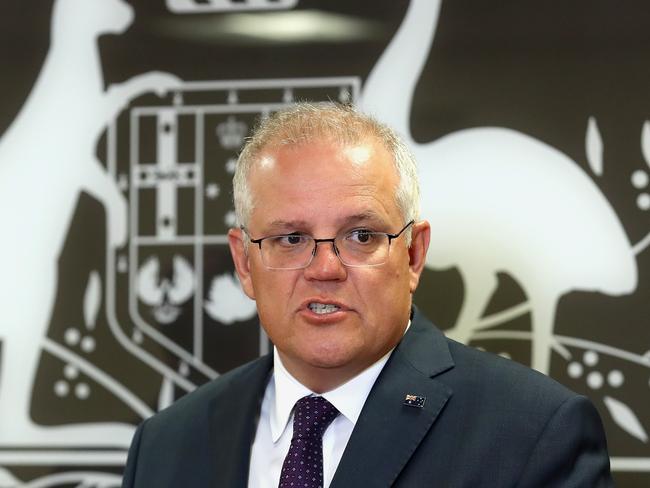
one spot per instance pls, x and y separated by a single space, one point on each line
367 216
280 225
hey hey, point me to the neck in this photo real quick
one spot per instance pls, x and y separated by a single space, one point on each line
323 379
318 380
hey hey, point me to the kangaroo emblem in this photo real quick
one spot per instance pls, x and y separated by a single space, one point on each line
47 157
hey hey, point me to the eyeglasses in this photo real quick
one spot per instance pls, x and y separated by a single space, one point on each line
355 249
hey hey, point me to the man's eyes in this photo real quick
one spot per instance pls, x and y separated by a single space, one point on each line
360 236
291 239
356 236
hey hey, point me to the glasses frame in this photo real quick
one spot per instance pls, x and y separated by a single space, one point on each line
333 241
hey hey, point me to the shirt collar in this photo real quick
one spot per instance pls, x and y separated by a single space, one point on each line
348 398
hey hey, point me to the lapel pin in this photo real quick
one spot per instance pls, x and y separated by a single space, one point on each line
414 401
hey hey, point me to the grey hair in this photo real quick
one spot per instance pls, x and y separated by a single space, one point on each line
304 122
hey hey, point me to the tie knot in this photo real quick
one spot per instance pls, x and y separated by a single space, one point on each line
312 416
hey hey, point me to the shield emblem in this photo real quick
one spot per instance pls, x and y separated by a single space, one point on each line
178 305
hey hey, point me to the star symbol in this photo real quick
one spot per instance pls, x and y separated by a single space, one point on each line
212 191
230 219
230 165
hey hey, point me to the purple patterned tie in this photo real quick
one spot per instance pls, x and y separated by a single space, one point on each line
303 466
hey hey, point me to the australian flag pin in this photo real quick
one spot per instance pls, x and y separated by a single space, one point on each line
414 401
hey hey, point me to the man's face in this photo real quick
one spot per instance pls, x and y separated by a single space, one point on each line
323 189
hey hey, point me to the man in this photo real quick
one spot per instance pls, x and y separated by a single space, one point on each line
331 248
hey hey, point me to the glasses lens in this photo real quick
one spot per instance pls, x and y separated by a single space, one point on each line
363 248
287 252
357 248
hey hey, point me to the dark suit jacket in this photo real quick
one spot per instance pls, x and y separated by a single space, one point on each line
486 422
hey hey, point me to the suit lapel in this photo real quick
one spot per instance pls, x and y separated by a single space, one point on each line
233 424
388 432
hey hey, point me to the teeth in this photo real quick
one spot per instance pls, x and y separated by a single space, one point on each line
322 308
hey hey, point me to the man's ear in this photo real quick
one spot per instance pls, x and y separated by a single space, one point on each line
237 243
420 236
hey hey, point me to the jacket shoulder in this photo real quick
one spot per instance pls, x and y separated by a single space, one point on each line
503 380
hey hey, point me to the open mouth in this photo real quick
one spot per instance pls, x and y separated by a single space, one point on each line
322 308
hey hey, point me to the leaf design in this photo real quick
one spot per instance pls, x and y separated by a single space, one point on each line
92 299
149 290
645 142
183 285
594 147
227 303
625 418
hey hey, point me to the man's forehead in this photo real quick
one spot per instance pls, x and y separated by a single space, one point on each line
326 166
300 182
365 150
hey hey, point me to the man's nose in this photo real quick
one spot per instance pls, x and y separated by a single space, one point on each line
325 265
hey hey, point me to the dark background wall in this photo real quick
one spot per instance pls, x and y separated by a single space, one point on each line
136 322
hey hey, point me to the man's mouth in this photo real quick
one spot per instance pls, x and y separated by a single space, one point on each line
322 308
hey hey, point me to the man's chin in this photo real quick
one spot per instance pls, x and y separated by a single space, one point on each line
329 360
322 358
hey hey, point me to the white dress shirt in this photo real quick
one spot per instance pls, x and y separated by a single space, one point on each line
275 427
